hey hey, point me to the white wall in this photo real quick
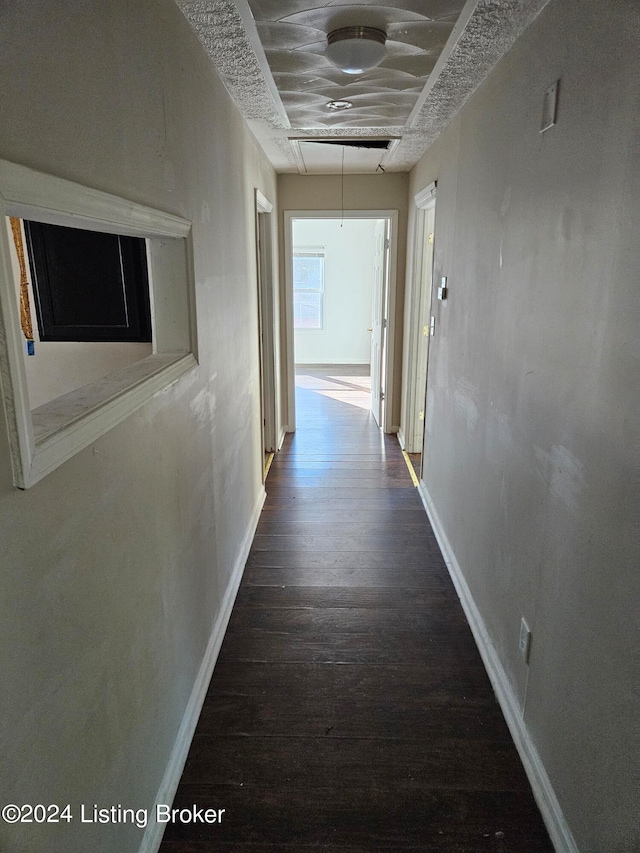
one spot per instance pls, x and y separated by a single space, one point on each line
531 453
349 248
114 566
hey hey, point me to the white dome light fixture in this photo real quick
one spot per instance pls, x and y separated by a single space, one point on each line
356 49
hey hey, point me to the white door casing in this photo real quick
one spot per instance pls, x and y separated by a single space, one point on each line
378 320
266 318
390 269
416 327
422 331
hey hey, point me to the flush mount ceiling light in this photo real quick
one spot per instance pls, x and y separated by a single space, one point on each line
356 49
339 105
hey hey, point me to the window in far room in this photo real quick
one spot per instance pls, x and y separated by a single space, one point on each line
308 289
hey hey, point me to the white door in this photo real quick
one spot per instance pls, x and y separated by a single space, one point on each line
381 244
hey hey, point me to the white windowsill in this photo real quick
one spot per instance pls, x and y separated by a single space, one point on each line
70 423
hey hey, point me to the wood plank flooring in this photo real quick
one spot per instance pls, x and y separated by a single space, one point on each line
349 710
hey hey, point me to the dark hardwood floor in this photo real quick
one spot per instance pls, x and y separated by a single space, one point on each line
349 710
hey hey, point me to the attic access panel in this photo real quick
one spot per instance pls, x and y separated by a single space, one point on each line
326 156
88 286
382 144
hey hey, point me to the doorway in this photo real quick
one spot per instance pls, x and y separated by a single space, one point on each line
418 331
340 299
267 329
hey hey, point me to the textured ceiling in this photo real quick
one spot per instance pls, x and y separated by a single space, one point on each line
271 56
294 37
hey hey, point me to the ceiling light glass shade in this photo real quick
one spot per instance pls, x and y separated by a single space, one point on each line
356 49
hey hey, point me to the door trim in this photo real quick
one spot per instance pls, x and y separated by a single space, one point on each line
393 217
413 397
267 331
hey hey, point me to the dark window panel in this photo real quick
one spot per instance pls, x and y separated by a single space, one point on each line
88 286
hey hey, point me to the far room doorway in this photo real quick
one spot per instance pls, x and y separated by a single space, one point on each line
339 297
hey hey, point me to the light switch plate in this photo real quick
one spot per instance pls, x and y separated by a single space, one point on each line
525 640
549 107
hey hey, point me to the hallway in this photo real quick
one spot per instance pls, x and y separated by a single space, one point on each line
349 710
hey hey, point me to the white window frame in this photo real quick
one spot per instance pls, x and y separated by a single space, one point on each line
42 440
312 252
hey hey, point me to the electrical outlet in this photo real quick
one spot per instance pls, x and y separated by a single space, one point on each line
525 640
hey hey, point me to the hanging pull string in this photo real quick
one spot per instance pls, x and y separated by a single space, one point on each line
25 308
342 189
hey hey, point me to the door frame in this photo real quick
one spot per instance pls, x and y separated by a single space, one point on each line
389 309
267 331
378 328
414 398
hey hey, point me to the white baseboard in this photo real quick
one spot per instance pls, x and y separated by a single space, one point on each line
401 439
557 827
282 436
152 837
